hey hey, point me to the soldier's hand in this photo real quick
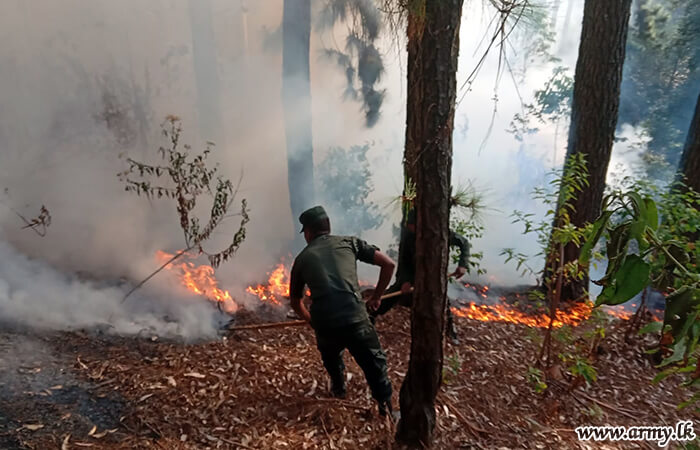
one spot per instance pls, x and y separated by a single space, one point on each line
406 288
459 273
374 302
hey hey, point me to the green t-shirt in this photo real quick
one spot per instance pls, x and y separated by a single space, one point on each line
328 266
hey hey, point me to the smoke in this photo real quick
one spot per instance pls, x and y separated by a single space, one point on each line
89 82
34 294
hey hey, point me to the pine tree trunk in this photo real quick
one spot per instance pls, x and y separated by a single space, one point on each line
689 169
206 72
434 45
594 112
413 126
296 98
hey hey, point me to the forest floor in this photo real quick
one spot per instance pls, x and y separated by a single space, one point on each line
267 389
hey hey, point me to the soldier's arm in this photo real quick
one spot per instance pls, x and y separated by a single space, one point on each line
296 293
457 240
371 255
386 270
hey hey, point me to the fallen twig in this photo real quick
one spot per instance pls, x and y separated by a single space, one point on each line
610 407
260 326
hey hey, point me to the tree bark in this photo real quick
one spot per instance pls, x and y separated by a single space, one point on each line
414 31
433 35
594 113
689 168
206 72
296 98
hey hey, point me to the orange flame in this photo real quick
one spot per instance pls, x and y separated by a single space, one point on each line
276 288
505 313
199 279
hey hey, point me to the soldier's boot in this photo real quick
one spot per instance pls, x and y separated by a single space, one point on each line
338 388
385 407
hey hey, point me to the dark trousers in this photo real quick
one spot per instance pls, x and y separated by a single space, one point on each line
362 342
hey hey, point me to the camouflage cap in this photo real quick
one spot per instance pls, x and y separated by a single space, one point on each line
311 216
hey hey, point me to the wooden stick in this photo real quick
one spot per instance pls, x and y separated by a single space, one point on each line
294 323
260 326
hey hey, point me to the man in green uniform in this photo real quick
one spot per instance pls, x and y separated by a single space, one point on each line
406 272
328 266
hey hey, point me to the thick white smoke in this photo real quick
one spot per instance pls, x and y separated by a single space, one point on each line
68 68
34 294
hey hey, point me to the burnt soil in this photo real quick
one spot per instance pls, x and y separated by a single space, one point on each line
267 389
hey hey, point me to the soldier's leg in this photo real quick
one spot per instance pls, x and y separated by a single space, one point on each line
331 348
363 344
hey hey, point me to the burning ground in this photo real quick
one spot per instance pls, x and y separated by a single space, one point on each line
114 387
267 388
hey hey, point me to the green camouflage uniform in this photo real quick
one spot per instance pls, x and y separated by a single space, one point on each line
328 266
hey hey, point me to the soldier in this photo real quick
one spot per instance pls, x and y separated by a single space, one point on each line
338 316
406 272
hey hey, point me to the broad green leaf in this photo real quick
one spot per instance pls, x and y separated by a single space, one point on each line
652 215
640 207
678 252
678 354
637 229
616 251
679 305
596 232
629 280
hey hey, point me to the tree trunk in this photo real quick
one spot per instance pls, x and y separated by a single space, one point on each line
594 112
206 72
433 45
413 125
296 98
689 169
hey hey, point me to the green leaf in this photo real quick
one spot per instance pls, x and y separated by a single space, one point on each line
616 250
638 204
678 252
637 229
652 327
629 280
596 232
679 306
664 374
652 215
690 401
678 353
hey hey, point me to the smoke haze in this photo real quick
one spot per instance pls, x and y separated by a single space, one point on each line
84 83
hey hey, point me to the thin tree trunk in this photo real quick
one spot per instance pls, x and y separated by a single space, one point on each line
296 98
689 168
594 112
565 39
430 116
206 71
